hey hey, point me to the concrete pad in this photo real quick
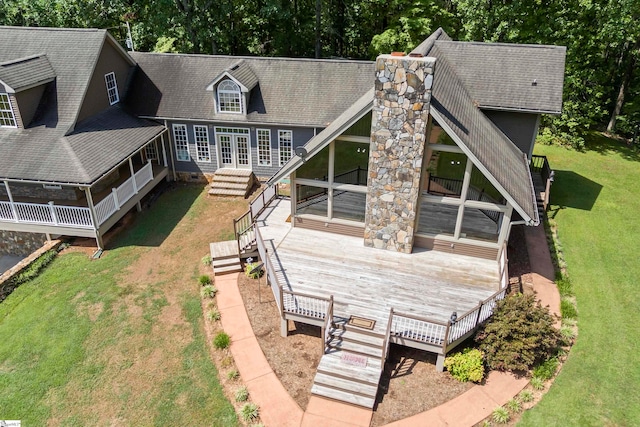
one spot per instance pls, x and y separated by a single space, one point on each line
249 359
312 420
543 272
502 386
337 411
277 407
235 323
228 297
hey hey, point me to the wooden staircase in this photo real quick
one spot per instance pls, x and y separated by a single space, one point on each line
338 377
225 257
232 182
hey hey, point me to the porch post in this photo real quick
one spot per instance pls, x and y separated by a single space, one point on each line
173 164
155 147
164 150
293 196
463 197
133 178
13 207
505 226
332 153
94 218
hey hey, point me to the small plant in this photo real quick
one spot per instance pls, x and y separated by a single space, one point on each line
520 334
250 266
486 423
208 291
547 369
221 341
242 394
226 361
233 374
204 280
525 396
537 383
568 309
514 406
213 315
466 366
249 412
567 332
256 425
500 415
206 260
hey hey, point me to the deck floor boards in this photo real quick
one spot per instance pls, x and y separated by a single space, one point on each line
368 282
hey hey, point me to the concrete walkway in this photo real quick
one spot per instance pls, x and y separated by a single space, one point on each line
277 407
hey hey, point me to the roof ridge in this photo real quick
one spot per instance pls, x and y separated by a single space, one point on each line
257 58
484 44
23 59
15 27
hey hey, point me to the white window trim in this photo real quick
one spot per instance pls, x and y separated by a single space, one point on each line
260 151
186 141
116 96
237 93
205 143
280 134
10 110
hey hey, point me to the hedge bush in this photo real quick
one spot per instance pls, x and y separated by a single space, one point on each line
466 366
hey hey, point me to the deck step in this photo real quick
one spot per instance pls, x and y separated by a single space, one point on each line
232 182
229 185
343 396
226 192
224 262
333 365
225 257
227 269
233 172
355 336
372 353
345 384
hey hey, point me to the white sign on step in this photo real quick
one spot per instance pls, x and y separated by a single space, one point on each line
353 359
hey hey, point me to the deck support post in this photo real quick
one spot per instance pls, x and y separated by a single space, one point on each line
164 150
463 197
133 178
331 167
293 196
99 241
13 206
94 218
284 327
440 363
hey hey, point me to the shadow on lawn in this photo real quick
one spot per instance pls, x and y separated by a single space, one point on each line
601 144
572 190
164 208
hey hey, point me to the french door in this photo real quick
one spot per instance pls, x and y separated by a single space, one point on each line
235 150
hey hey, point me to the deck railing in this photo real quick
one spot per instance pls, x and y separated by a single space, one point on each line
328 323
46 213
123 193
540 165
243 226
387 339
416 328
305 305
444 186
272 277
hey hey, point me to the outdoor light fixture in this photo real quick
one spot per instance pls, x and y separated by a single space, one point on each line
454 317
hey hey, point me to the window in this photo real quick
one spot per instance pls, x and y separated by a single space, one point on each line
182 142
112 88
264 147
203 153
285 145
7 119
229 97
150 152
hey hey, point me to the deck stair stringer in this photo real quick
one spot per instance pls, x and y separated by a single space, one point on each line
225 257
338 377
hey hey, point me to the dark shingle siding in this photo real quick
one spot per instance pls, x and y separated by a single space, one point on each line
290 91
27 72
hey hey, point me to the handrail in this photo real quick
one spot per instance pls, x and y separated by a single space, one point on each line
46 213
328 323
387 340
256 207
305 305
272 278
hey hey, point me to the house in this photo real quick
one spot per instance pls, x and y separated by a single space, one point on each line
401 208
72 160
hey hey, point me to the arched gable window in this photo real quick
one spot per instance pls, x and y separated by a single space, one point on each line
229 97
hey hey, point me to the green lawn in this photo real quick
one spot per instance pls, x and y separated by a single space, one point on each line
120 340
596 203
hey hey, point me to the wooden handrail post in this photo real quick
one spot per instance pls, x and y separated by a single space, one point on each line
478 315
445 341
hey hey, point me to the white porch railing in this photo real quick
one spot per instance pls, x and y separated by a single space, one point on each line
121 195
75 216
48 214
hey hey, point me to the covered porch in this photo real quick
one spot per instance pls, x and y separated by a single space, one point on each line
84 211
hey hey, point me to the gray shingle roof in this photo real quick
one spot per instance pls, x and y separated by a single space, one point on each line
43 152
243 73
290 91
503 161
26 72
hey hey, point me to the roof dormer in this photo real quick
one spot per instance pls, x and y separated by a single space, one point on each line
22 83
232 87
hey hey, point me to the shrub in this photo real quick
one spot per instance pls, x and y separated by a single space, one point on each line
204 280
249 412
221 341
250 266
547 369
564 286
213 315
500 415
518 335
208 291
567 332
568 309
537 383
233 374
514 406
206 260
525 396
466 366
242 394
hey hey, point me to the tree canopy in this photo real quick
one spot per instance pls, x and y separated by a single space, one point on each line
602 86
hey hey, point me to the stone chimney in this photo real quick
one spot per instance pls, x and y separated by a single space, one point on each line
398 127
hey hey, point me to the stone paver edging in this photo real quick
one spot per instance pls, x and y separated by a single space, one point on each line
277 407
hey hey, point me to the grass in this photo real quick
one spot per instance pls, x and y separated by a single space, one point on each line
84 344
595 201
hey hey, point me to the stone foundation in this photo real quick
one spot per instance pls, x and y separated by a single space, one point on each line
398 127
20 243
199 177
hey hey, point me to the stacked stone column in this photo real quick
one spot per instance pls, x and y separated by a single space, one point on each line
398 128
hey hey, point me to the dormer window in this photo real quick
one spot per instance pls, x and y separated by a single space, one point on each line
112 88
7 118
229 97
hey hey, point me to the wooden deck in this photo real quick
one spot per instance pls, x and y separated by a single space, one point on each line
368 282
